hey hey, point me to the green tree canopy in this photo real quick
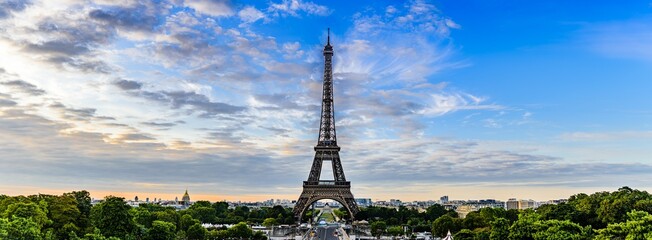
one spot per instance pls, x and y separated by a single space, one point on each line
28 210
23 229
270 222
196 232
443 224
499 229
395 231
240 231
638 226
162 231
378 228
113 218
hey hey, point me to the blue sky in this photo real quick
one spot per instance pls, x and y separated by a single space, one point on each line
471 99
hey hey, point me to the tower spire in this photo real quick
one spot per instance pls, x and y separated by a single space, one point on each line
327 125
329 37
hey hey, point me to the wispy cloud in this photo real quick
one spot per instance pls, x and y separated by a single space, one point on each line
605 136
621 39
216 8
295 7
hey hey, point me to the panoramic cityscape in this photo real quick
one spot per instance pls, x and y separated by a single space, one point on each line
291 119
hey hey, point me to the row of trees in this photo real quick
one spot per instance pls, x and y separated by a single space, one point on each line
623 214
72 216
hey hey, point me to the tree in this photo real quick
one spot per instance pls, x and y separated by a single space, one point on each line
464 234
63 212
490 214
23 229
240 231
162 231
4 225
217 235
143 217
258 235
562 211
83 200
435 211
269 222
395 231
378 228
524 226
167 215
113 218
474 220
557 229
340 214
644 205
187 221
196 232
220 208
198 204
499 229
482 233
203 214
638 226
27 210
443 224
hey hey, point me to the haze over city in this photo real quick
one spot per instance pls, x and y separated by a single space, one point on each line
470 99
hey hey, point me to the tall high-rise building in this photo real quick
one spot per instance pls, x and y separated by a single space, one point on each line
512 203
526 204
443 199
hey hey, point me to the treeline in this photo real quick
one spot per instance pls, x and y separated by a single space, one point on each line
623 214
71 216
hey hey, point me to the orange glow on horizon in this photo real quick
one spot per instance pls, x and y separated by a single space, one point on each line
406 194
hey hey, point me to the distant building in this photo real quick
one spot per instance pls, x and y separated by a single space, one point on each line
526 204
463 210
556 201
475 205
363 202
147 200
512 203
395 202
522 204
185 199
136 199
443 199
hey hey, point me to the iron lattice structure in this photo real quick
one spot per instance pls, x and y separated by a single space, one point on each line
337 189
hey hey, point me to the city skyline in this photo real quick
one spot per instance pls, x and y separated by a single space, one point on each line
472 100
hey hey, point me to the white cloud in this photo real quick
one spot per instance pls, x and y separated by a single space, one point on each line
295 7
216 8
250 14
452 24
444 103
606 136
292 50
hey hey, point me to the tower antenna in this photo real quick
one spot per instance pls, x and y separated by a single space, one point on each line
329 36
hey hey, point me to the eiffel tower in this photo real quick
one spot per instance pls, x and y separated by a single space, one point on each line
326 150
